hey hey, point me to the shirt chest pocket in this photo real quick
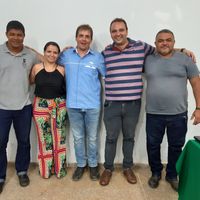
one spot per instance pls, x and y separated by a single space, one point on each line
89 69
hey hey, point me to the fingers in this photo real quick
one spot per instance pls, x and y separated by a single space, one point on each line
196 117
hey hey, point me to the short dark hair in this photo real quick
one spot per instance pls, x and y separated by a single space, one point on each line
14 24
119 20
84 27
53 44
165 31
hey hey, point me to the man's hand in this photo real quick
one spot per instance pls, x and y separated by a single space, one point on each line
196 117
66 48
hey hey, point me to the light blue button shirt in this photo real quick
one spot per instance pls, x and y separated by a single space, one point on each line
82 78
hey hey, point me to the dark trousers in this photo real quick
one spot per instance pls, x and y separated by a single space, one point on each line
120 116
21 120
176 128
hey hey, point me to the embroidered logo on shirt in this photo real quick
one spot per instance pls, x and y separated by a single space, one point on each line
90 65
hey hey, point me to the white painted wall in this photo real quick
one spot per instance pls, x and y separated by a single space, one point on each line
46 20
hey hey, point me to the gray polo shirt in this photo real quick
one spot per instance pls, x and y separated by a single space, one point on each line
167 83
14 77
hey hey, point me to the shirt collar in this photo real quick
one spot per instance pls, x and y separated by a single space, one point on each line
90 51
6 50
130 44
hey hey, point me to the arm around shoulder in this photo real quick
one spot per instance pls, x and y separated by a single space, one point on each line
35 69
187 52
61 69
39 55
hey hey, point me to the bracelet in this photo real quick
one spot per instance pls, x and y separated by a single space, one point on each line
182 50
197 108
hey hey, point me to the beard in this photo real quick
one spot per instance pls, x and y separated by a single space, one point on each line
166 51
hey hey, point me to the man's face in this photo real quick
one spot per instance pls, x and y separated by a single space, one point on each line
15 38
83 40
119 33
165 44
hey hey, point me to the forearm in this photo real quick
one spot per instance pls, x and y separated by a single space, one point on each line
196 92
180 49
32 76
195 83
39 55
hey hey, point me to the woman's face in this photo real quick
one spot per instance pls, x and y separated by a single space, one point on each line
51 53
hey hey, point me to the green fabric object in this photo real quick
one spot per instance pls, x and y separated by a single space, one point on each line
188 168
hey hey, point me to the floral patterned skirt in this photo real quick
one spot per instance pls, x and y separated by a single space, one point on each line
50 119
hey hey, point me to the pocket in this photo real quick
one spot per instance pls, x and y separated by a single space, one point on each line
107 104
137 102
185 118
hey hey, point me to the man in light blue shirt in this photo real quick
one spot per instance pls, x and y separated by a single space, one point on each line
83 68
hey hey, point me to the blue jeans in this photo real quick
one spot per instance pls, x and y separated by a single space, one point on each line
176 128
84 125
120 116
21 120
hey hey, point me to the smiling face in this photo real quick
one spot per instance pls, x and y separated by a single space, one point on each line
51 53
119 34
83 39
165 44
15 40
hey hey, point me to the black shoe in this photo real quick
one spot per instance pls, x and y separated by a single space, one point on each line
1 186
24 180
94 173
78 173
173 182
154 181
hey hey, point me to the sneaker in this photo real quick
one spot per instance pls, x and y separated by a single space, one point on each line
173 182
24 180
78 173
154 181
94 173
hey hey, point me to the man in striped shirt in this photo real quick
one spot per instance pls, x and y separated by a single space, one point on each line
124 60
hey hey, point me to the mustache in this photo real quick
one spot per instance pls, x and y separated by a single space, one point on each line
165 46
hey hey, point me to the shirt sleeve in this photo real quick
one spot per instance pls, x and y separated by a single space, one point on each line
36 59
148 49
191 67
102 67
61 60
